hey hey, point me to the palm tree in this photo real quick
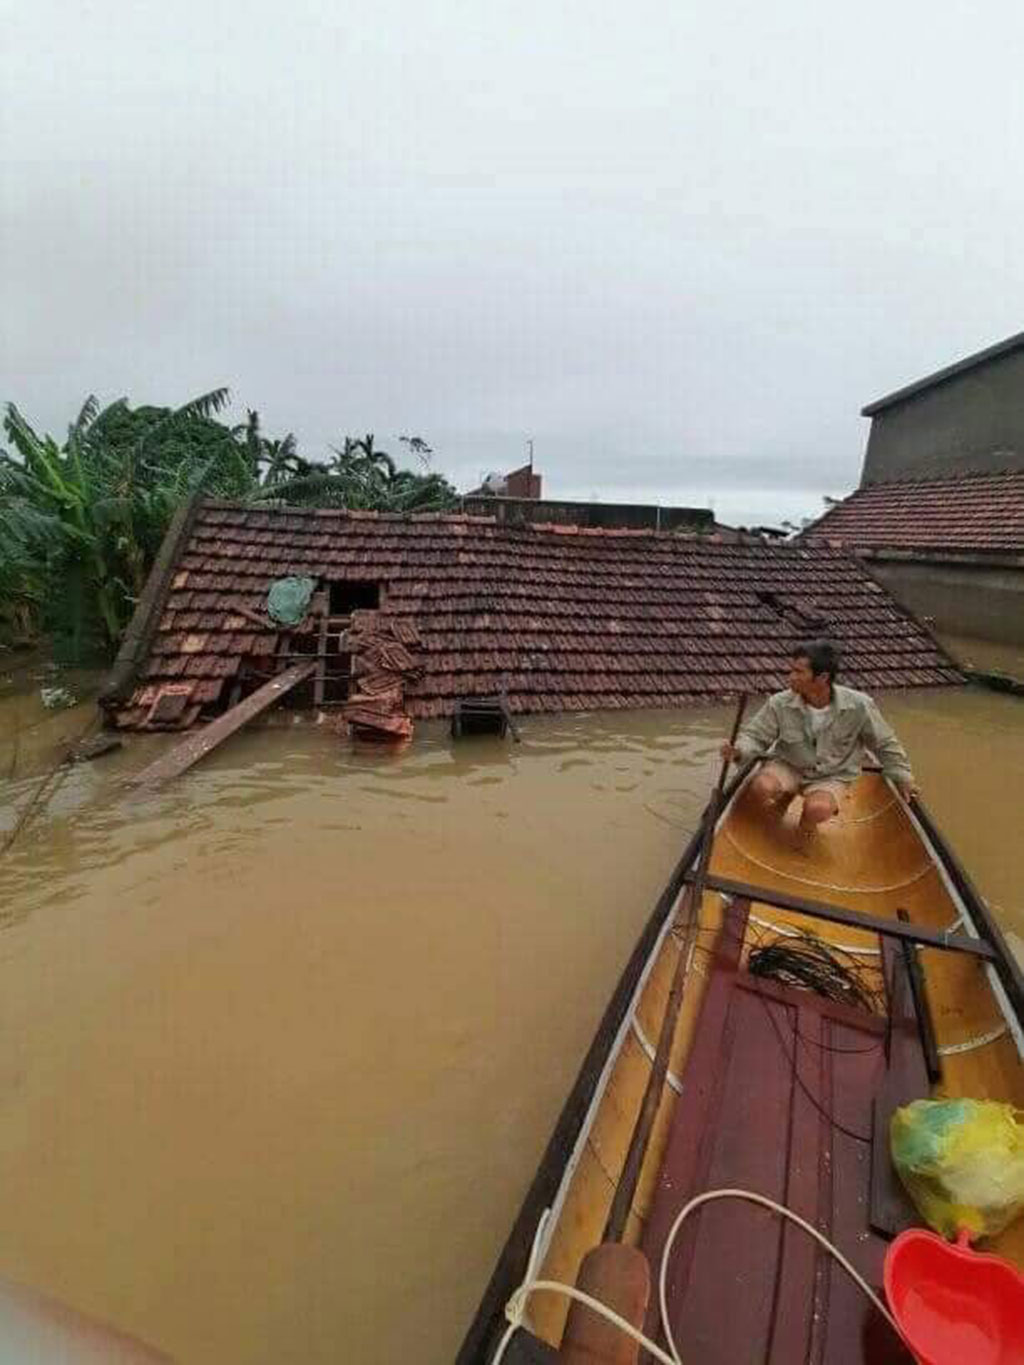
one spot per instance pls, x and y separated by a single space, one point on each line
270 462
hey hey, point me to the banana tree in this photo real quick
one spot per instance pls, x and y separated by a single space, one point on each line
107 505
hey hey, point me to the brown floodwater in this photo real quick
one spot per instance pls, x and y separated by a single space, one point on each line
281 1045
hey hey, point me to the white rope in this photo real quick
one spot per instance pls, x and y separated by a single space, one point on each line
781 1209
691 966
982 1040
648 1048
873 815
569 1291
515 1319
1006 1009
827 886
787 931
515 1309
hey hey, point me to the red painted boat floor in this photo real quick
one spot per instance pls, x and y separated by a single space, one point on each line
774 1079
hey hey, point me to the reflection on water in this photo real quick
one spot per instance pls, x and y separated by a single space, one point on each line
282 1043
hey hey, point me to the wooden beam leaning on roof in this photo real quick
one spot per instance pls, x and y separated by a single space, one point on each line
142 627
200 742
855 919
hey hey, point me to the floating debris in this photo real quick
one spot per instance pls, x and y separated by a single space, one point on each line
57 698
96 747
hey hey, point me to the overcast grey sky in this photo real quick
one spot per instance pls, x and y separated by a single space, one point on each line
678 244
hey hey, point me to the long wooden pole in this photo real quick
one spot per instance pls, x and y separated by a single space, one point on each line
626 1188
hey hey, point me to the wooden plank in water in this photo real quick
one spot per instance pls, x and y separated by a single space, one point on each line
198 745
856 919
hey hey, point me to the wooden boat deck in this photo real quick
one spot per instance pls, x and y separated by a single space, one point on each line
872 859
779 1089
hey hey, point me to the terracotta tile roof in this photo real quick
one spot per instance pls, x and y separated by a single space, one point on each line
563 618
968 513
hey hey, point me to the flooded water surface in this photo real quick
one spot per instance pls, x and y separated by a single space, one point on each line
280 1046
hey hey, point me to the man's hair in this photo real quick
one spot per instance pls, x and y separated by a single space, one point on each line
822 655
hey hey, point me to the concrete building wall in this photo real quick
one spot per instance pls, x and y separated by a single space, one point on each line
512 511
523 483
986 602
972 421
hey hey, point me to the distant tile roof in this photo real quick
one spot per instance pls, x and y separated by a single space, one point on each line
966 513
562 618
959 367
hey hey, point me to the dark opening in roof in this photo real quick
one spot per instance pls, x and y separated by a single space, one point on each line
347 597
804 615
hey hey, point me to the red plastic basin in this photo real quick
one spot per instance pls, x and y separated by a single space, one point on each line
955 1306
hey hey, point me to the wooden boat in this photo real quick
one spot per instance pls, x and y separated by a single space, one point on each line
771 1089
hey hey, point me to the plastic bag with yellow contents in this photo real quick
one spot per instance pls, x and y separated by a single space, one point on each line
962 1162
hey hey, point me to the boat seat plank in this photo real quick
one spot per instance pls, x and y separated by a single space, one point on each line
775 1077
857 919
905 1079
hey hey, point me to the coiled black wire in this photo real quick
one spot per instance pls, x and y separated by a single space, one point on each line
807 963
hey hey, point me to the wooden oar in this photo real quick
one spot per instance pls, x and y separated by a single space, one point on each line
626 1189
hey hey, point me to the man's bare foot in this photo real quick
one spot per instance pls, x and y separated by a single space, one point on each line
804 840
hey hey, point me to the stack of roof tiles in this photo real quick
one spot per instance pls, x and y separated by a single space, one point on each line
966 514
382 667
556 618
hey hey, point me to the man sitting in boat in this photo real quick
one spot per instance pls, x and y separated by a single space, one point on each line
816 732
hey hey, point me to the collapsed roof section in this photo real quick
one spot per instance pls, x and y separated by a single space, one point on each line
552 618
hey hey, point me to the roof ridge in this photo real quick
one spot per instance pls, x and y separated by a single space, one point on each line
930 476
351 513
911 390
543 528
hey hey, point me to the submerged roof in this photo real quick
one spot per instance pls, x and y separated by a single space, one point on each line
962 513
959 367
562 618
